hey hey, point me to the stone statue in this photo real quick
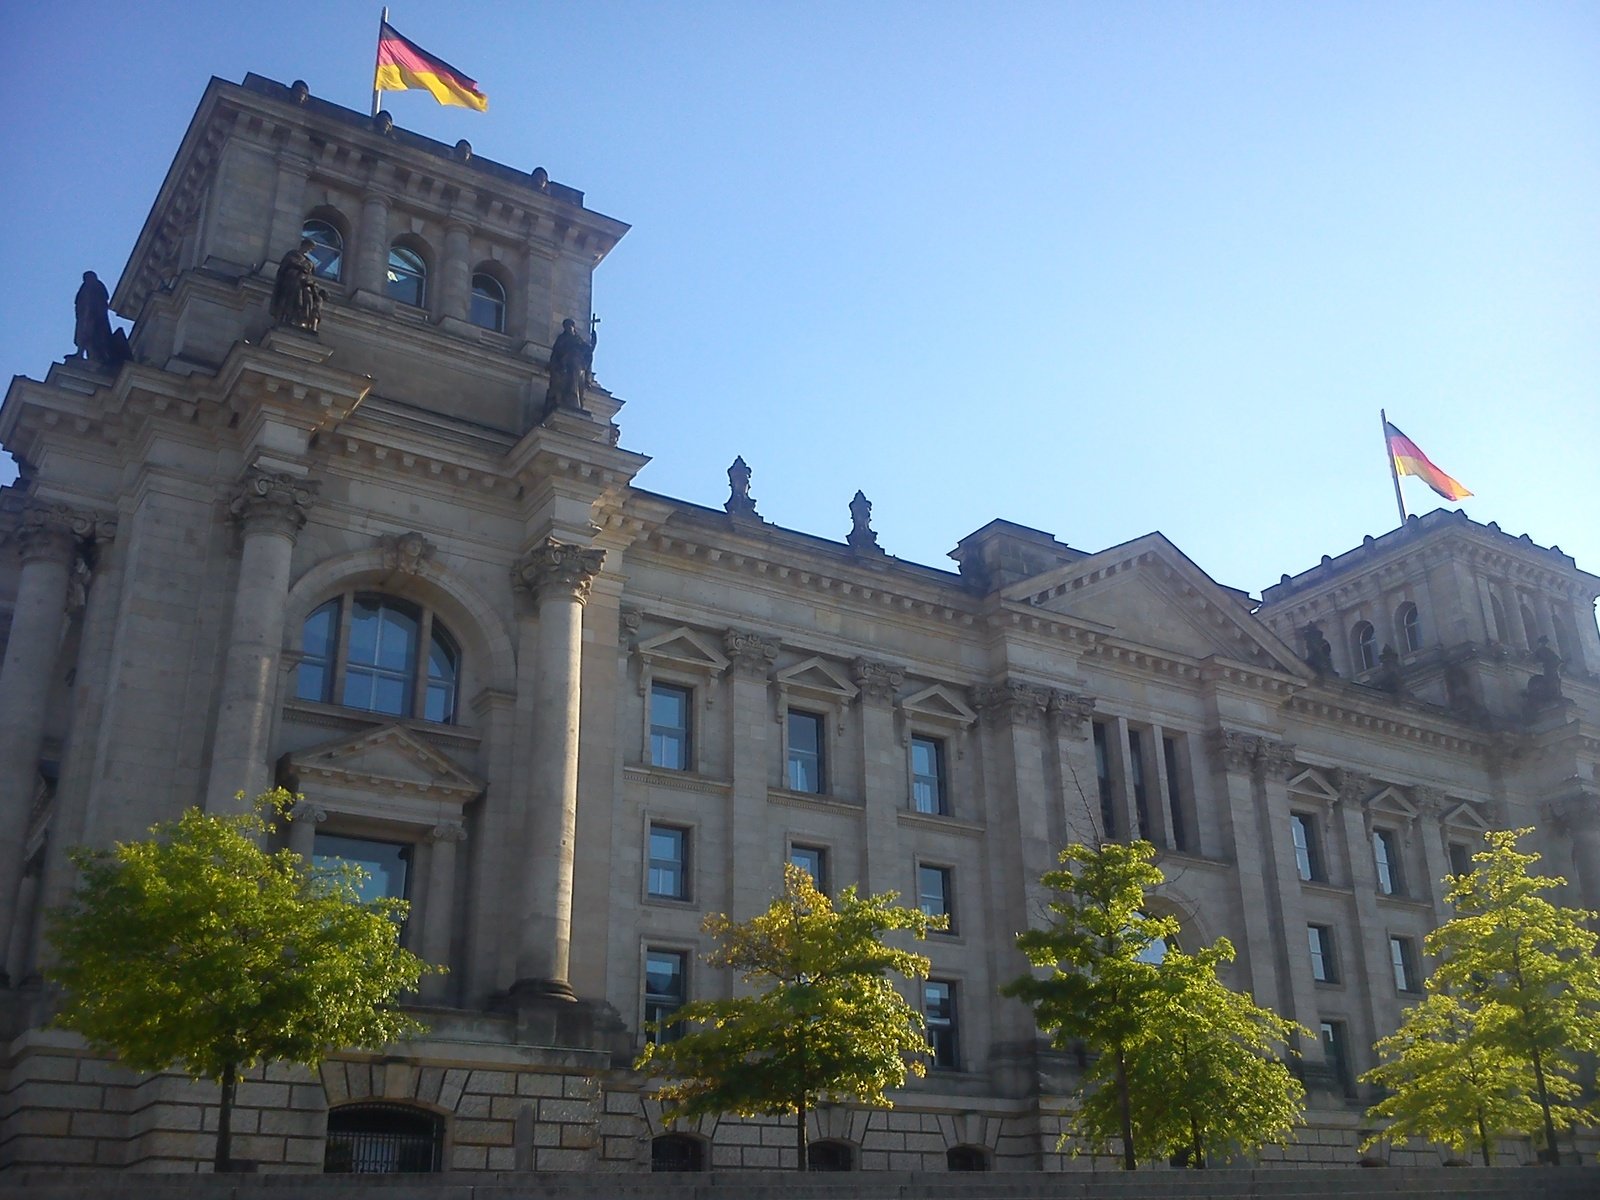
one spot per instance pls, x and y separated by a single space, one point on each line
861 536
92 331
1388 676
297 296
1545 687
740 502
571 367
1319 654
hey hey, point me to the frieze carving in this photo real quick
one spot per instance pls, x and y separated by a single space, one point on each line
749 653
405 552
1011 702
878 681
559 569
448 831
1071 711
53 531
273 502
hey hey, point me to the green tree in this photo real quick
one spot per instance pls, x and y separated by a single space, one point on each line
197 948
1445 1084
824 1021
1525 970
1183 1062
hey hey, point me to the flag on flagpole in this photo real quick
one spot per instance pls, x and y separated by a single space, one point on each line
1408 460
403 65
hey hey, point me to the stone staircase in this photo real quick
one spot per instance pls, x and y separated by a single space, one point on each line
1435 1183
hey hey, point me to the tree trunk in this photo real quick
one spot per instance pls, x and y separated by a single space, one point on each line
1552 1155
800 1135
1125 1104
230 1086
1483 1140
1197 1159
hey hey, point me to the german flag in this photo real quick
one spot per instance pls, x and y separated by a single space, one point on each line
1408 460
403 65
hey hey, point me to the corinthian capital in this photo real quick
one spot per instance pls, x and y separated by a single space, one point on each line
272 502
559 569
1236 749
1276 759
1012 702
52 531
1071 711
749 653
878 681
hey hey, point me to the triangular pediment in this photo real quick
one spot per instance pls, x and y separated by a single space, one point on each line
1312 782
389 758
817 675
1148 593
938 703
1464 816
683 647
1392 800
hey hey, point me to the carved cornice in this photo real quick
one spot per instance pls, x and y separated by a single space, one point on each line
1070 711
878 681
405 552
1011 702
52 532
272 502
749 653
559 569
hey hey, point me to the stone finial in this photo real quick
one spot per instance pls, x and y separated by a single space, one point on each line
273 501
861 537
749 653
740 502
559 568
878 681
405 552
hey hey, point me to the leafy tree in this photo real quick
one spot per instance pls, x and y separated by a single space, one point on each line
1524 971
825 1020
197 948
1446 1085
1184 1063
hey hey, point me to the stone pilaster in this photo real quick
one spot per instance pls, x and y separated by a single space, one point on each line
438 899
884 864
270 508
372 245
1369 953
47 544
1076 783
556 576
1576 816
751 868
455 273
1432 804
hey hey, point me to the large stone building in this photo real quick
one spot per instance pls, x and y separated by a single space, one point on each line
567 717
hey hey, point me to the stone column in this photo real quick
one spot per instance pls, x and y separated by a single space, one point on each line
1430 832
1577 817
438 899
883 774
1235 755
558 576
1370 952
455 274
1274 767
304 818
270 509
372 256
1075 770
753 869
48 544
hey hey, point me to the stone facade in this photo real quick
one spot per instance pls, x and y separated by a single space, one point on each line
569 716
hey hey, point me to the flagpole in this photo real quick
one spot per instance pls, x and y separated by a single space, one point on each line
382 21
1388 452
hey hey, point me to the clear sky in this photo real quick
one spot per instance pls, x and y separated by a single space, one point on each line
1100 269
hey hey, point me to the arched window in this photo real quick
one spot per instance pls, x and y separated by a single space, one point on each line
1502 630
408 276
362 651
1408 624
382 1139
488 303
1364 646
327 249
966 1158
1530 627
677 1152
830 1155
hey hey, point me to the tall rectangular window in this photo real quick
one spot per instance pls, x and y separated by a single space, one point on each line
939 1015
1108 792
385 866
1141 794
670 709
1386 854
1460 859
807 759
669 862
1307 854
1324 969
927 775
933 893
664 990
1403 954
1181 839
813 860
1336 1050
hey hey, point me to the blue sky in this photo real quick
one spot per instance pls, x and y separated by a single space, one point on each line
1095 268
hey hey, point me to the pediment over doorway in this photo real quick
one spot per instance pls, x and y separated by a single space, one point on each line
389 761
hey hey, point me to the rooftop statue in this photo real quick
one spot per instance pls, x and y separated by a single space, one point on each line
297 296
571 367
92 331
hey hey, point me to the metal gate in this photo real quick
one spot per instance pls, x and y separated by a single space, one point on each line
381 1139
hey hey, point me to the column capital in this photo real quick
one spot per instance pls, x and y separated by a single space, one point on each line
272 502
448 831
1354 786
305 810
1236 749
51 532
1577 812
1070 711
1011 703
1431 800
749 653
558 569
878 681
1276 759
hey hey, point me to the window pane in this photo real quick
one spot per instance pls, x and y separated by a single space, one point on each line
406 276
397 639
488 303
663 990
805 752
669 727
933 890
386 864
1301 829
668 861
939 1016
327 250
814 862
927 775
441 691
